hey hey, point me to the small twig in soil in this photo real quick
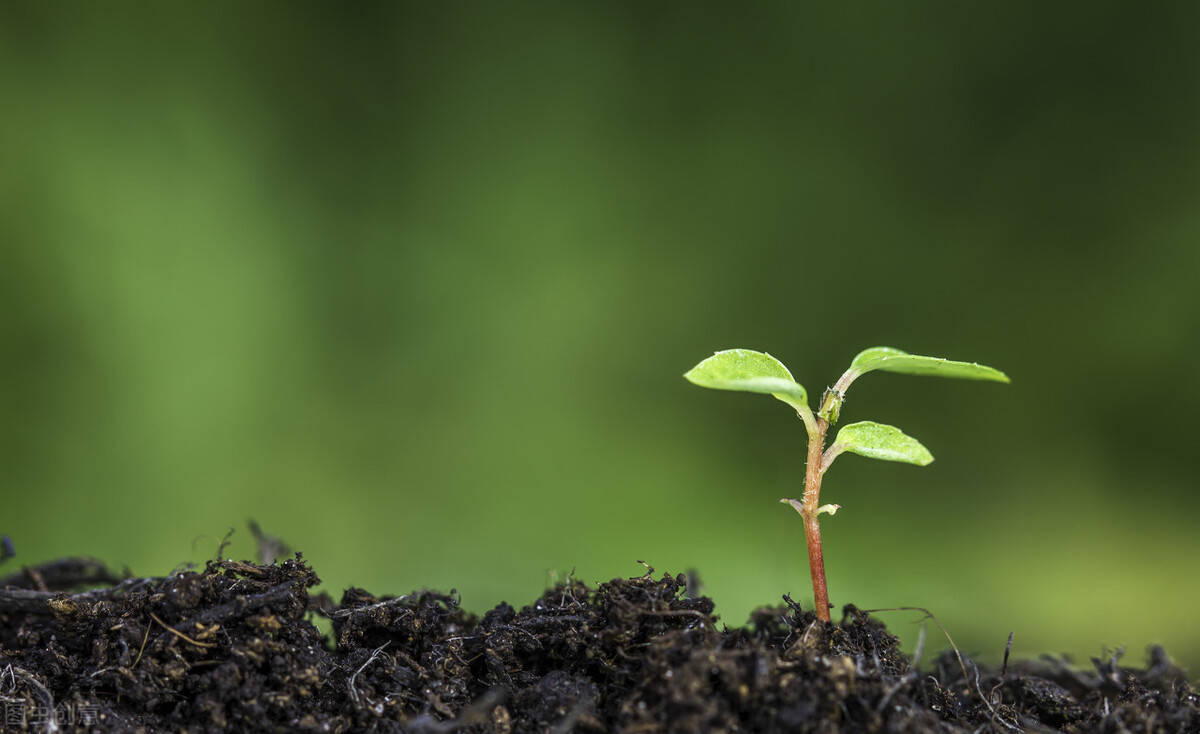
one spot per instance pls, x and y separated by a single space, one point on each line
51 714
994 714
25 600
514 628
187 664
245 568
141 649
225 540
957 654
929 615
811 626
355 610
270 597
1007 650
354 694
562 602
1003 669
179 634
37 602
1110 671
114 669
35 576
675 613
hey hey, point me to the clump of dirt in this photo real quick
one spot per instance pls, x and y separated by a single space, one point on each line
233 647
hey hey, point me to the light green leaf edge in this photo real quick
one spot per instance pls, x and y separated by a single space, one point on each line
879 441
748 371
888 359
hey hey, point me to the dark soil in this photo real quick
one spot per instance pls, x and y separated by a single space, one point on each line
233 647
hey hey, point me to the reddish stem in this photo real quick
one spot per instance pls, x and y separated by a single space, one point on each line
812 527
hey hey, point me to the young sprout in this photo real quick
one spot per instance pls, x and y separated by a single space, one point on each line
749 371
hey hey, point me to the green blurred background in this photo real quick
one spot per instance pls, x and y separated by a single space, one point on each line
414 285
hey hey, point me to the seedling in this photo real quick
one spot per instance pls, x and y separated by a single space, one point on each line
749 371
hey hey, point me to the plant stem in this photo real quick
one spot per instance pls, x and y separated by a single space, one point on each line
812 527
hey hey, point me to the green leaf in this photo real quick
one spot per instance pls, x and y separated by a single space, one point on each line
880 441
748 371
888 359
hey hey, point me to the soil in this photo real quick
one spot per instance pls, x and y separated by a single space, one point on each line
234 647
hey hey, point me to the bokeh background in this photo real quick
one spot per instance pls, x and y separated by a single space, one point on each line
414 286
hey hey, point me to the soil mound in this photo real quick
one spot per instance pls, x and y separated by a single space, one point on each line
233 647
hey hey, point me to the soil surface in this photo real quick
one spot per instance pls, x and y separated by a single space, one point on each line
233 648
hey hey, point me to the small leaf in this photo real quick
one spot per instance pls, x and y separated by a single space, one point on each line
748 371
798 506
880 441
888 359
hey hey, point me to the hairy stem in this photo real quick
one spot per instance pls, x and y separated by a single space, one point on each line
812 527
